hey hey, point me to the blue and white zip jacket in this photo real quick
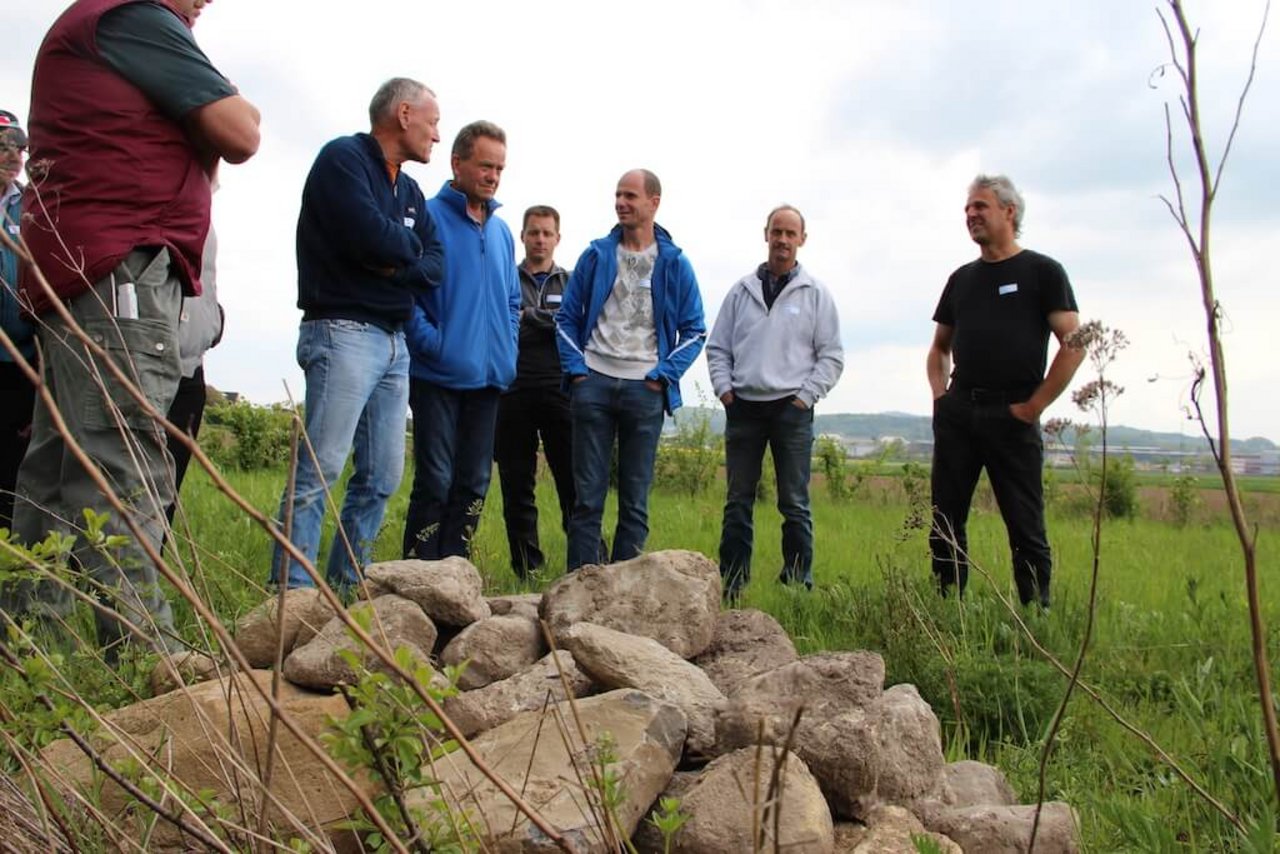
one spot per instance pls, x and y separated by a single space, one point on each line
677 310
463 334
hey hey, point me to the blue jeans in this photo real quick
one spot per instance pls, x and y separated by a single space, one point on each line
788 431
604 408
357 392
452 463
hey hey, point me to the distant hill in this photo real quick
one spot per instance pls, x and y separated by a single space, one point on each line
917 428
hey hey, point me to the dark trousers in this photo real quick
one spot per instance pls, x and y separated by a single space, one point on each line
453 461
17 403
969 435
787 430
187 412
524 417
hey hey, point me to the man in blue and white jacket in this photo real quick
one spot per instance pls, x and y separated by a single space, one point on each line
462 339
17 394
366 247
774 351
629 326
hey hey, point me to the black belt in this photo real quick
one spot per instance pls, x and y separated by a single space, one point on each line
992 395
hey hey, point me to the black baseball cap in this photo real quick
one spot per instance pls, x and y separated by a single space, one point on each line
11 128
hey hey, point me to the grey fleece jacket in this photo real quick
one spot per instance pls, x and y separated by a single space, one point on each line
765 354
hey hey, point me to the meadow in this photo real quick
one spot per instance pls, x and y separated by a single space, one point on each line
1170 648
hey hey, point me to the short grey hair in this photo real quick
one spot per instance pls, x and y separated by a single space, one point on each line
465 142
1006 194
779 209
390 95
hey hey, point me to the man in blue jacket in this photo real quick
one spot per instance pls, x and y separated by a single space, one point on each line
629 326
462 340
367 248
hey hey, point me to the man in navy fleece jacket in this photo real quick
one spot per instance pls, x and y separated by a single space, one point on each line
366 247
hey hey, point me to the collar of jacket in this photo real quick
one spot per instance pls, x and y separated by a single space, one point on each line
457 200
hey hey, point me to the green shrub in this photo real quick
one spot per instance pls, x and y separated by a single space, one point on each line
247 437
687 462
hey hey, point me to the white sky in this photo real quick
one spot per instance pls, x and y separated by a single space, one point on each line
871 117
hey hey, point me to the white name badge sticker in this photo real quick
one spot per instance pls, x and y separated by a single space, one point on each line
554 299
1005 290
409 221
793 309
645 283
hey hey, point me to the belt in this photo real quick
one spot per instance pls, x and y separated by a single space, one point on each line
992 395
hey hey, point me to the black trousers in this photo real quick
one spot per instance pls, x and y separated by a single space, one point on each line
971 434
17 403
524 417
186 411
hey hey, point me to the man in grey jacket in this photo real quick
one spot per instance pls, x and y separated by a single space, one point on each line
775 349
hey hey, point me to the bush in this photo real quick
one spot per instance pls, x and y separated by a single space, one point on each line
1120 494
688 462
247 437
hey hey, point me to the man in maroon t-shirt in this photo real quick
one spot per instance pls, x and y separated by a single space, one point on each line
128 119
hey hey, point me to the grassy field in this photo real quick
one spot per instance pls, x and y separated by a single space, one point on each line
1170 651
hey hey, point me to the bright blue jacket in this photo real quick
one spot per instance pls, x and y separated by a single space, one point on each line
463 334
23 335
677 310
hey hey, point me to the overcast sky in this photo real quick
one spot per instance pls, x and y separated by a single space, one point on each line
871 117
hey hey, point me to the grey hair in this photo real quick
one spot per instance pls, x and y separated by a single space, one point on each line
779 209
465 141
390 95
1006 194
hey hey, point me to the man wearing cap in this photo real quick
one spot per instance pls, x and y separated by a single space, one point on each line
128 120
17 394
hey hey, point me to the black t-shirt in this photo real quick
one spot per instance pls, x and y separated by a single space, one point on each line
149 45
999 314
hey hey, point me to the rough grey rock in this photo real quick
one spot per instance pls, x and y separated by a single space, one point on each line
614 659
531 755
305 612
494 648
526 691
818 686
746 643
732 800
970 784
1007 829
448 590
889 830
670 596
396 622
888 753
515 605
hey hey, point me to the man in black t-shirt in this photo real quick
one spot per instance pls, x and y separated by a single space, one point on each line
994 320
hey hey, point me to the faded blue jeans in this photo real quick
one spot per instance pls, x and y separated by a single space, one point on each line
605 408
357 399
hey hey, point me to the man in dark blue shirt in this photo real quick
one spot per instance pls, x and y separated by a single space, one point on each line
366 247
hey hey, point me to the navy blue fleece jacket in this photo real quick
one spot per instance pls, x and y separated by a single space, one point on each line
366 246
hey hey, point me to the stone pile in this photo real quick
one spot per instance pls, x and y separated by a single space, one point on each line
766 750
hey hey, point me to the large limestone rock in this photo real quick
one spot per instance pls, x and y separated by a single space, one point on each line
671 596
515 604
818 686
613 659
1007 829
449 590
527 691
746 643
306 612
494 648
213 736
733 803
183 668
889 830
888 753
970 784
396 622
530 754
